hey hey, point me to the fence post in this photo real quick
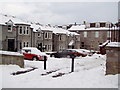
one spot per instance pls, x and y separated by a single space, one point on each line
72 67
45 59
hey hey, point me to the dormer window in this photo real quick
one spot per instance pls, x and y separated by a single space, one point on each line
39 34
10 25
9 28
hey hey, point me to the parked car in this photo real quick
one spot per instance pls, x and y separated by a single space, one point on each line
67 53
88 52
33 54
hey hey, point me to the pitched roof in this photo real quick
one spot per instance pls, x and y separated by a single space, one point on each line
5 18
83 28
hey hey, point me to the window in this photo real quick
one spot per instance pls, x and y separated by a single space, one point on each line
77 38
108 34
85 34
20 30
24 44
49 47
9 28
60 37
45 47
24 30
27 30
27 44
39 34
102 24
61 48
46 35
20 45
96 34
82 44
50 35
92 24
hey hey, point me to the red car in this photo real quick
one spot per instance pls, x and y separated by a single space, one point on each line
33 54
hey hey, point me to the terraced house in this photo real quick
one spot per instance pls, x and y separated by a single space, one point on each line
94 34
54 38
15 33
42 38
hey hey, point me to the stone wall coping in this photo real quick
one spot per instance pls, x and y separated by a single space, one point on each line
10 53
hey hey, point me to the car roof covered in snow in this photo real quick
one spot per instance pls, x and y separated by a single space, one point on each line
34 50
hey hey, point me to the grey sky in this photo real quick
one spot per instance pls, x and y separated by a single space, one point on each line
63 12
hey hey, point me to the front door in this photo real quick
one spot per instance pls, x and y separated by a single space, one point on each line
11 44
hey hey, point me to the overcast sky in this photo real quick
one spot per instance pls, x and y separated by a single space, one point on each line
60 13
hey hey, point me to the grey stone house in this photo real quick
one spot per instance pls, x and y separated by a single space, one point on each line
42 38
48 38
8 36
94 34
63 39
15 33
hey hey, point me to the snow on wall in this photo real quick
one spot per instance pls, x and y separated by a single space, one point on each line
114 44
11 53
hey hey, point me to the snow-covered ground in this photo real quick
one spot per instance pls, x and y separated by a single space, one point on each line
89 72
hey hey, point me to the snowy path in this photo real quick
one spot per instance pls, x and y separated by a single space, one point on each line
89 73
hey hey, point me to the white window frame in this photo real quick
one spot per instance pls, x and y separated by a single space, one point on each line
49 47
27 44
24 44
60 37
11 27
46 46
109 34
85 34
24 30
50 35
96 34
45 35
27 30
39 34
20 27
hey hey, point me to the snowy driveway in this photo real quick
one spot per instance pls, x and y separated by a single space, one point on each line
89 73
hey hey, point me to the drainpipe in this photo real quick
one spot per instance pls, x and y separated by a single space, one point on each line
118 31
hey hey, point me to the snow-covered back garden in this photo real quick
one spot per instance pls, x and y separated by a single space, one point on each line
89 72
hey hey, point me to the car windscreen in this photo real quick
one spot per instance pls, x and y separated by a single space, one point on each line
26 51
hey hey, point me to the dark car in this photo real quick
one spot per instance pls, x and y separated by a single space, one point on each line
66 53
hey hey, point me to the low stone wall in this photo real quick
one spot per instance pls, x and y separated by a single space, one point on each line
113 60
6 59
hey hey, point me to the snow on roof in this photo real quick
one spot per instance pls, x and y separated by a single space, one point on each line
5 18
11 53
77 27
34 50
83 27
35 27
63 31
55 30
114 44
